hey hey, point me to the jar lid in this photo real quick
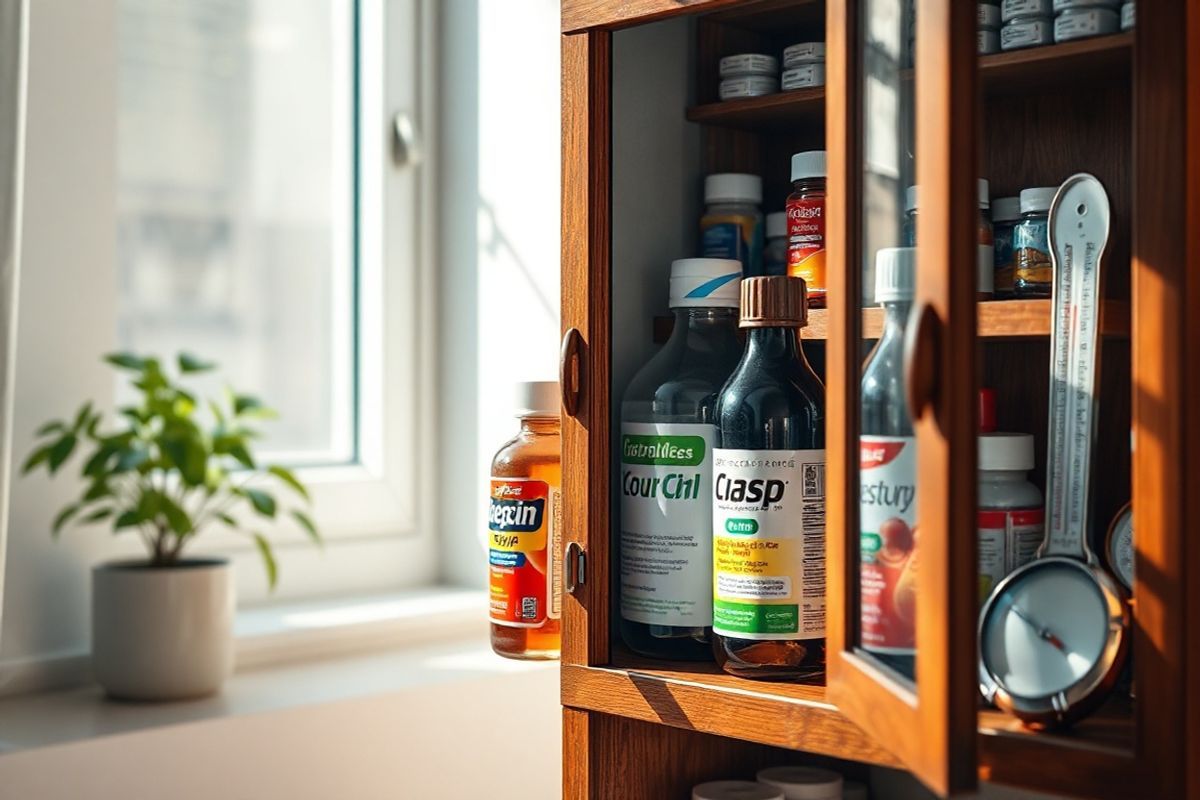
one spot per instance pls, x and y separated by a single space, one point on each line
803 783
705 282
809 164
732 187
1006 209
776 224
1037 199
1006 452
735 790
910 198
984 195
774 301
537 399
895 274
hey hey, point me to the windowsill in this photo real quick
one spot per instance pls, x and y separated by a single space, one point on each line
290 656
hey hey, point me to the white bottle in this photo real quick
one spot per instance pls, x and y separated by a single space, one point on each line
1011 516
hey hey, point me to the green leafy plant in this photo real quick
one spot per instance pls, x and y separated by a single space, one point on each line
163 473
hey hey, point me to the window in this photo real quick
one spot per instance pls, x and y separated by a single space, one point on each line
263 223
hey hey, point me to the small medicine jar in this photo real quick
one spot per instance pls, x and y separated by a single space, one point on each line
1011 513
803 783
1034 273
732 225
806 224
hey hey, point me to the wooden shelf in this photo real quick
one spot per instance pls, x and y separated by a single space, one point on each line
779 111
703 698
1082 63
997 319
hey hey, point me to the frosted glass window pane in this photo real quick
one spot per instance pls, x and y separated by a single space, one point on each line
236 203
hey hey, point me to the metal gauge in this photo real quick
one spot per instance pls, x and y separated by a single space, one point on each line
1052 635
1118 547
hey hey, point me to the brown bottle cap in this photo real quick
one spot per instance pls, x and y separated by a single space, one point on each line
774 301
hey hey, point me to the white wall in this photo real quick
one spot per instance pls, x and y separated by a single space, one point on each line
499 260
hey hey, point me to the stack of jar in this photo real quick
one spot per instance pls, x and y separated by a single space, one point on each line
1027 23
803 66
1128 14
1082 19
748 75
988 27
784 783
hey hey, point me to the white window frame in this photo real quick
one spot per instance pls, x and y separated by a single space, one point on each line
375 515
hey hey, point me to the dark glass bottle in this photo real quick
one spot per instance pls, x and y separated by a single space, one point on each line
769 496
887 477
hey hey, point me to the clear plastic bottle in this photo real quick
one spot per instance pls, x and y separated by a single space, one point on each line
667 434
769 496
524 536
887 478
732 225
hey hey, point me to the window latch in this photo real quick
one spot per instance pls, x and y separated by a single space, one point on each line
406 143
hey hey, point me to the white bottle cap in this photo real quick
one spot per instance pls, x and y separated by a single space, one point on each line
732 187
1006 209
803 783
735 790
853 790
895 274
537 399
706 283
1006 452
985 199
809 164
1037 199
910 198
776 224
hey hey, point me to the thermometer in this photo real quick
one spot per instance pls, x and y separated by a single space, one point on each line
1118 547
1052 635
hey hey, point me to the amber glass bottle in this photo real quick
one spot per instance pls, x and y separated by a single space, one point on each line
525 531
769 496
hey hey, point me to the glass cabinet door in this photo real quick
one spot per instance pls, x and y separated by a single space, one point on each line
901 379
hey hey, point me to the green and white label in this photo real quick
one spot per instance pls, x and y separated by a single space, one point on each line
768 527
666 523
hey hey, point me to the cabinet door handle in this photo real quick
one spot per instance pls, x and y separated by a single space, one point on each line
574 567
570 370
922 351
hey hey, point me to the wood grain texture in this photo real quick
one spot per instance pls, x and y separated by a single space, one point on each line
1086 62
579 15
577 773
779 111
1191 389
701 697
586 295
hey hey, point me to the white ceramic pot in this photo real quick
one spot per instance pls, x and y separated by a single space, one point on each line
162 633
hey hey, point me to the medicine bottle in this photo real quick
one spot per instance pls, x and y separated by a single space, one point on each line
1033 274
806 224
769 496
732 225
775 254
525 530
668 429
985 251
888 476
1005 213
1011 517
802 783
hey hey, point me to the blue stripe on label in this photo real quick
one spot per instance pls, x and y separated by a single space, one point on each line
705 289
504 558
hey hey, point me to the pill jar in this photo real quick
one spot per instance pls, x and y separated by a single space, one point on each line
776 251
744 64
984 257
1026 32
1010 521
732 225
802 783
1013 9
804 76
1005 213
1063 5
1033 274
803 53
747 86
908 231
987 41
988 16
1082 23
735 790
1128 18
806 224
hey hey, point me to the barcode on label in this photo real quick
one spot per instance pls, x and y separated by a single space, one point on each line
814 480
529 607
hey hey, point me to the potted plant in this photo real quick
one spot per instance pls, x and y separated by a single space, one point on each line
166 470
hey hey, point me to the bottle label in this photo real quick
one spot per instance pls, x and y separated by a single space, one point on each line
769 544
525 552
666 524
1007 539
736 236
887 544
806 242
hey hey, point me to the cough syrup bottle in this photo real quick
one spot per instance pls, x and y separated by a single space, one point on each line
769 496
525 531
668 427
887 500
